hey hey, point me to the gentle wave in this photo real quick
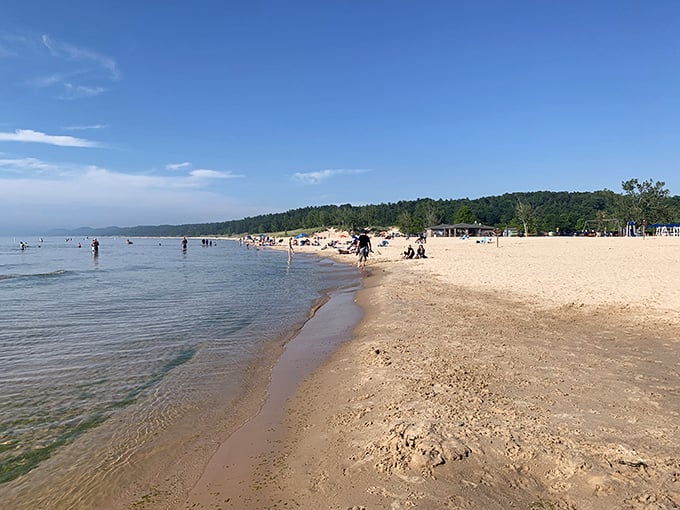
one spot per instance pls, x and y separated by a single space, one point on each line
51 274
65 423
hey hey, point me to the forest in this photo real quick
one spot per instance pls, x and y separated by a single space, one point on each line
535 213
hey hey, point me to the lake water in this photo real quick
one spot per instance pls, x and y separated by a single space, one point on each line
136 336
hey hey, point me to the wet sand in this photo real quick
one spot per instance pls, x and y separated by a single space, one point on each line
543 373
233 475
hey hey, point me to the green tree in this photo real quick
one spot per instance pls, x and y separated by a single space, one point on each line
347 218
405 222
432 216
426 214
525 214
464 214
645 201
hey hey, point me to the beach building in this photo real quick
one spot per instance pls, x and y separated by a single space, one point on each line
460 229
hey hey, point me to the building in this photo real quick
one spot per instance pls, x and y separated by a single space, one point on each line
460 229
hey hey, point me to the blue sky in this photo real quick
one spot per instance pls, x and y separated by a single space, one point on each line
129 113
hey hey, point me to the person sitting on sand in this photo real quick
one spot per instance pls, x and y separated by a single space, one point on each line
420 254
409 253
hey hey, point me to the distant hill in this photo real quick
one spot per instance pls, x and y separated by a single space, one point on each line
549 211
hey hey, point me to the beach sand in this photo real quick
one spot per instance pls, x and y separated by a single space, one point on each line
542 373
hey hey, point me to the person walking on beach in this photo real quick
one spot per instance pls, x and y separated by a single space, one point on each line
363 248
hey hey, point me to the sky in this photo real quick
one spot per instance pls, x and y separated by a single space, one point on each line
144 113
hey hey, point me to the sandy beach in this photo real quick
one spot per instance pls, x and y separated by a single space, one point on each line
539 373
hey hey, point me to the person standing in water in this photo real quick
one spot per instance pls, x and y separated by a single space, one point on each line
95 246
184 244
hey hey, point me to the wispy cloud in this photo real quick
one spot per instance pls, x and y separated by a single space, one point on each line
109 179
203 173
64 50
22 164
177 166
322 175
28 135
213 174
80 91
70 71
9 44
53 79
85 128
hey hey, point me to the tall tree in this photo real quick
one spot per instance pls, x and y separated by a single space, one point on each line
645 201
464 214
405 222
432 216
525 213
427 213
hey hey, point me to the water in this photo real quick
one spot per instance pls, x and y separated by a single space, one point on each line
141 333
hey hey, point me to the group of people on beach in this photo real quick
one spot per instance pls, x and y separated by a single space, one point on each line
258 241
410 253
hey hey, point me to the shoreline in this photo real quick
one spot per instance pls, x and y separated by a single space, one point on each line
256 412
159 465
539 374
548 380
234 472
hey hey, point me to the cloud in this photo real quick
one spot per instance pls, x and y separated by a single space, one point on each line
108 180
84 128
195 179
213 174
28 135
21 164
203 173
80 91
63 50
45 63
9 44
322 175
177 166
52 79
76 195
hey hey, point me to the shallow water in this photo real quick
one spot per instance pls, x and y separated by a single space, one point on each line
140 332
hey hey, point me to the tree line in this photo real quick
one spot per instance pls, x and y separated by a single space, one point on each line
532 212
